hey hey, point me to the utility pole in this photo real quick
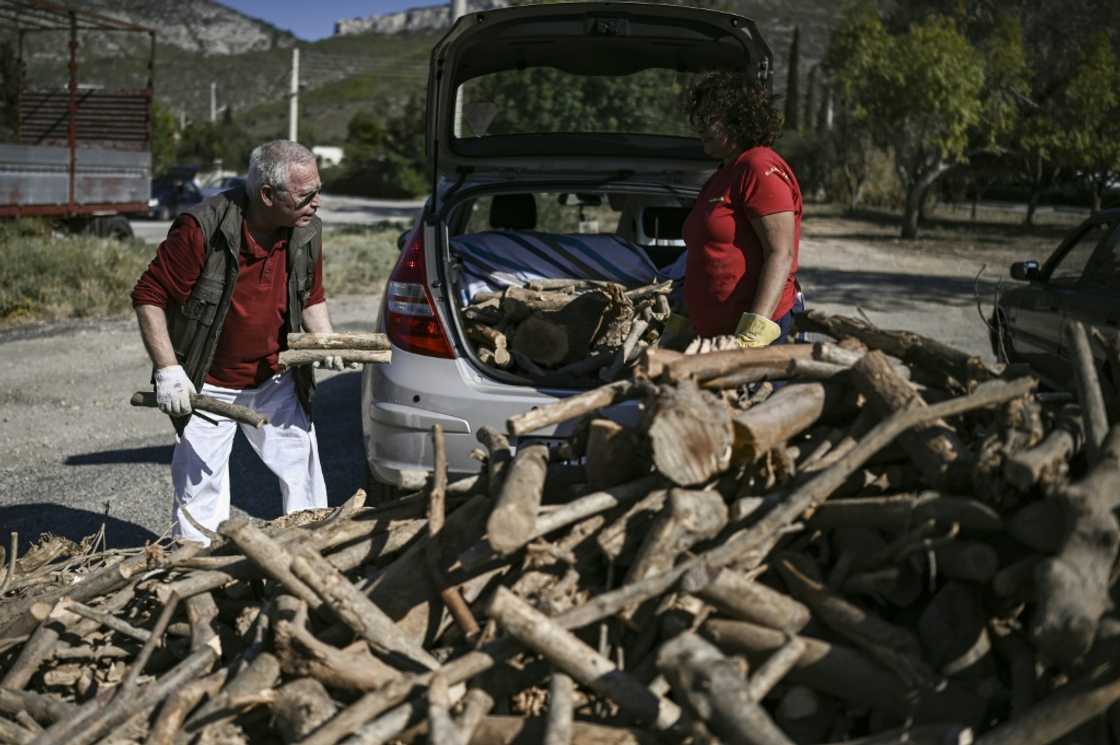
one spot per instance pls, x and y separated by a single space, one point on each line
458 9
213 101
293 99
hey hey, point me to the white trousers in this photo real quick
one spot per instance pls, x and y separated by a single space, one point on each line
287 445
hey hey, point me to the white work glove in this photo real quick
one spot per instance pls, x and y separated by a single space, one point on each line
334 362
174 390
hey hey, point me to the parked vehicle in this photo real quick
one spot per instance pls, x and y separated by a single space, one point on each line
80 155
1080 281
172 194
225 183
595 192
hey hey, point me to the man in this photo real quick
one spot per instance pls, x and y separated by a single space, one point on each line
234 276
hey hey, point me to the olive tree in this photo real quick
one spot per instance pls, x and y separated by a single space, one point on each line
1090 117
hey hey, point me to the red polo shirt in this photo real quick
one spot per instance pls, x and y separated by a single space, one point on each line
253 333
724 260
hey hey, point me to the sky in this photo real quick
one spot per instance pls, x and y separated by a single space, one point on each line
314 20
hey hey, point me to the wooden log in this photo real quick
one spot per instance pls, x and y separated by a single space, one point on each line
297 357
1073 587
270 556
1058 714
969 561
953 368
38 649
571 408
433 553
201 613
891 645
300 706
561 708
1040 525
476 705
492 341
46 709
847 674
690 434
515 511
566 652
339 340
518 303
1047 463
954 630
716 692
776 667
1089 391
510 730
898 512
199 402
180 703
790 411
500 455
613 454
552 337
934 448
753 601
717 364
687 518
358 612
796 369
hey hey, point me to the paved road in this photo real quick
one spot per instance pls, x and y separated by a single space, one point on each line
336 211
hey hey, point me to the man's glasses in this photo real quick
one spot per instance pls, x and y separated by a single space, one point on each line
303 201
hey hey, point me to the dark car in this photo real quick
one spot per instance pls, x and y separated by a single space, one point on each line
1080 281
171 195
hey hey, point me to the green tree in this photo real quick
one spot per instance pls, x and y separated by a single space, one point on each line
163 138
918 91
1090 138
365 137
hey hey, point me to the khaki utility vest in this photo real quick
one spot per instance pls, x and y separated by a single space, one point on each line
196 325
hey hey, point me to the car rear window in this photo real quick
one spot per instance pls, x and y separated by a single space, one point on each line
1072 266
543 100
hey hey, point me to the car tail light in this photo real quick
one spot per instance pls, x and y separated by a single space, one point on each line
412 323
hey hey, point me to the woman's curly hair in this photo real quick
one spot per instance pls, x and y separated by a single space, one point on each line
743 105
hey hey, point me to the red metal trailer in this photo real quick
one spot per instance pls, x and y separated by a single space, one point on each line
79 154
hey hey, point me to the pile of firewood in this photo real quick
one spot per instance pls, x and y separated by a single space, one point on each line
877 540
566 331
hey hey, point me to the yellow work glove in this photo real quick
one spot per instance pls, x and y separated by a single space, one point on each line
756 331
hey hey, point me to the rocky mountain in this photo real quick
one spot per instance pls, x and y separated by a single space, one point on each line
201 26
427 18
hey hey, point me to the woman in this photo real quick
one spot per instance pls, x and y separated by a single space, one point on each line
743 232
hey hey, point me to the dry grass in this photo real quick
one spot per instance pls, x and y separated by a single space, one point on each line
45 276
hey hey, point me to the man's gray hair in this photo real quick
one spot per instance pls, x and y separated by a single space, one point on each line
269 163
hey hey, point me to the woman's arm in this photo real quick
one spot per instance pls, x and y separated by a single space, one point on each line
775 233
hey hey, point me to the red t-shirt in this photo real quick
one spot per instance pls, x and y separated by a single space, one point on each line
724 259
253 332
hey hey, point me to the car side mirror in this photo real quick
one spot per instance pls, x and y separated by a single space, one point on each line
1025 271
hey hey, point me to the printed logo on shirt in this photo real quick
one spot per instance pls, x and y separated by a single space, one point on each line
775 170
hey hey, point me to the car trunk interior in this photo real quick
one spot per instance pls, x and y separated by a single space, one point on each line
563 288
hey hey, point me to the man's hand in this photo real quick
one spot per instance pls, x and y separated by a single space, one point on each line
756 331
174 390
334 362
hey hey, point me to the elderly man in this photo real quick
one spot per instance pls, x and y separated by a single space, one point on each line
235 275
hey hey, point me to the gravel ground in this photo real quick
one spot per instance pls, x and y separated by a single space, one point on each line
74 454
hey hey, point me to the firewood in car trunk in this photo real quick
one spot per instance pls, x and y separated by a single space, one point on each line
614 454
753 601
790 411
1058 714
1039 525
690 433
935 448
300 707
492 340
500 454
515 511
891 645
1073 587
297 357
847 674
553 337
900 511
1047 463
954 630
971 561
358 612
953 367
1016 578
716 692
518 303
1089 391
339 340
687 518
568 653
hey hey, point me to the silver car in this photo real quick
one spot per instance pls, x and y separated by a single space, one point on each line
559 148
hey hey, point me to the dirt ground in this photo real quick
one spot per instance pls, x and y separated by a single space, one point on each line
74 454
